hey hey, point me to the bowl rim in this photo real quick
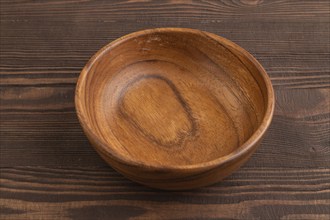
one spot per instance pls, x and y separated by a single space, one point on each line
242 150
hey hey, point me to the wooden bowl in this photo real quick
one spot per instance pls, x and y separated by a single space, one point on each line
174 108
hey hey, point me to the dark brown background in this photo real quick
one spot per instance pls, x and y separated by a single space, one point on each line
49 170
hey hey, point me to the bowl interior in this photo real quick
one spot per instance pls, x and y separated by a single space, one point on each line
169 98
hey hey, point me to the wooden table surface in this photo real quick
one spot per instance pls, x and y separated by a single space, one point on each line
50 171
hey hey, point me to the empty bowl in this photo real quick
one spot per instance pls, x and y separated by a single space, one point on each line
174 108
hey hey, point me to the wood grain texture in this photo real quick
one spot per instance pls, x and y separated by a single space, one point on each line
73 193
45 44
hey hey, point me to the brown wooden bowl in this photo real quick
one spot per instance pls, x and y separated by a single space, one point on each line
174 108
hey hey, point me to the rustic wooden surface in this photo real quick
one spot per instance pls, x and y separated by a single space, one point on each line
48 169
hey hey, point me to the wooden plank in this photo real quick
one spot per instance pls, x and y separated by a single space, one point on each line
59 59
212 10
71 46
101 193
